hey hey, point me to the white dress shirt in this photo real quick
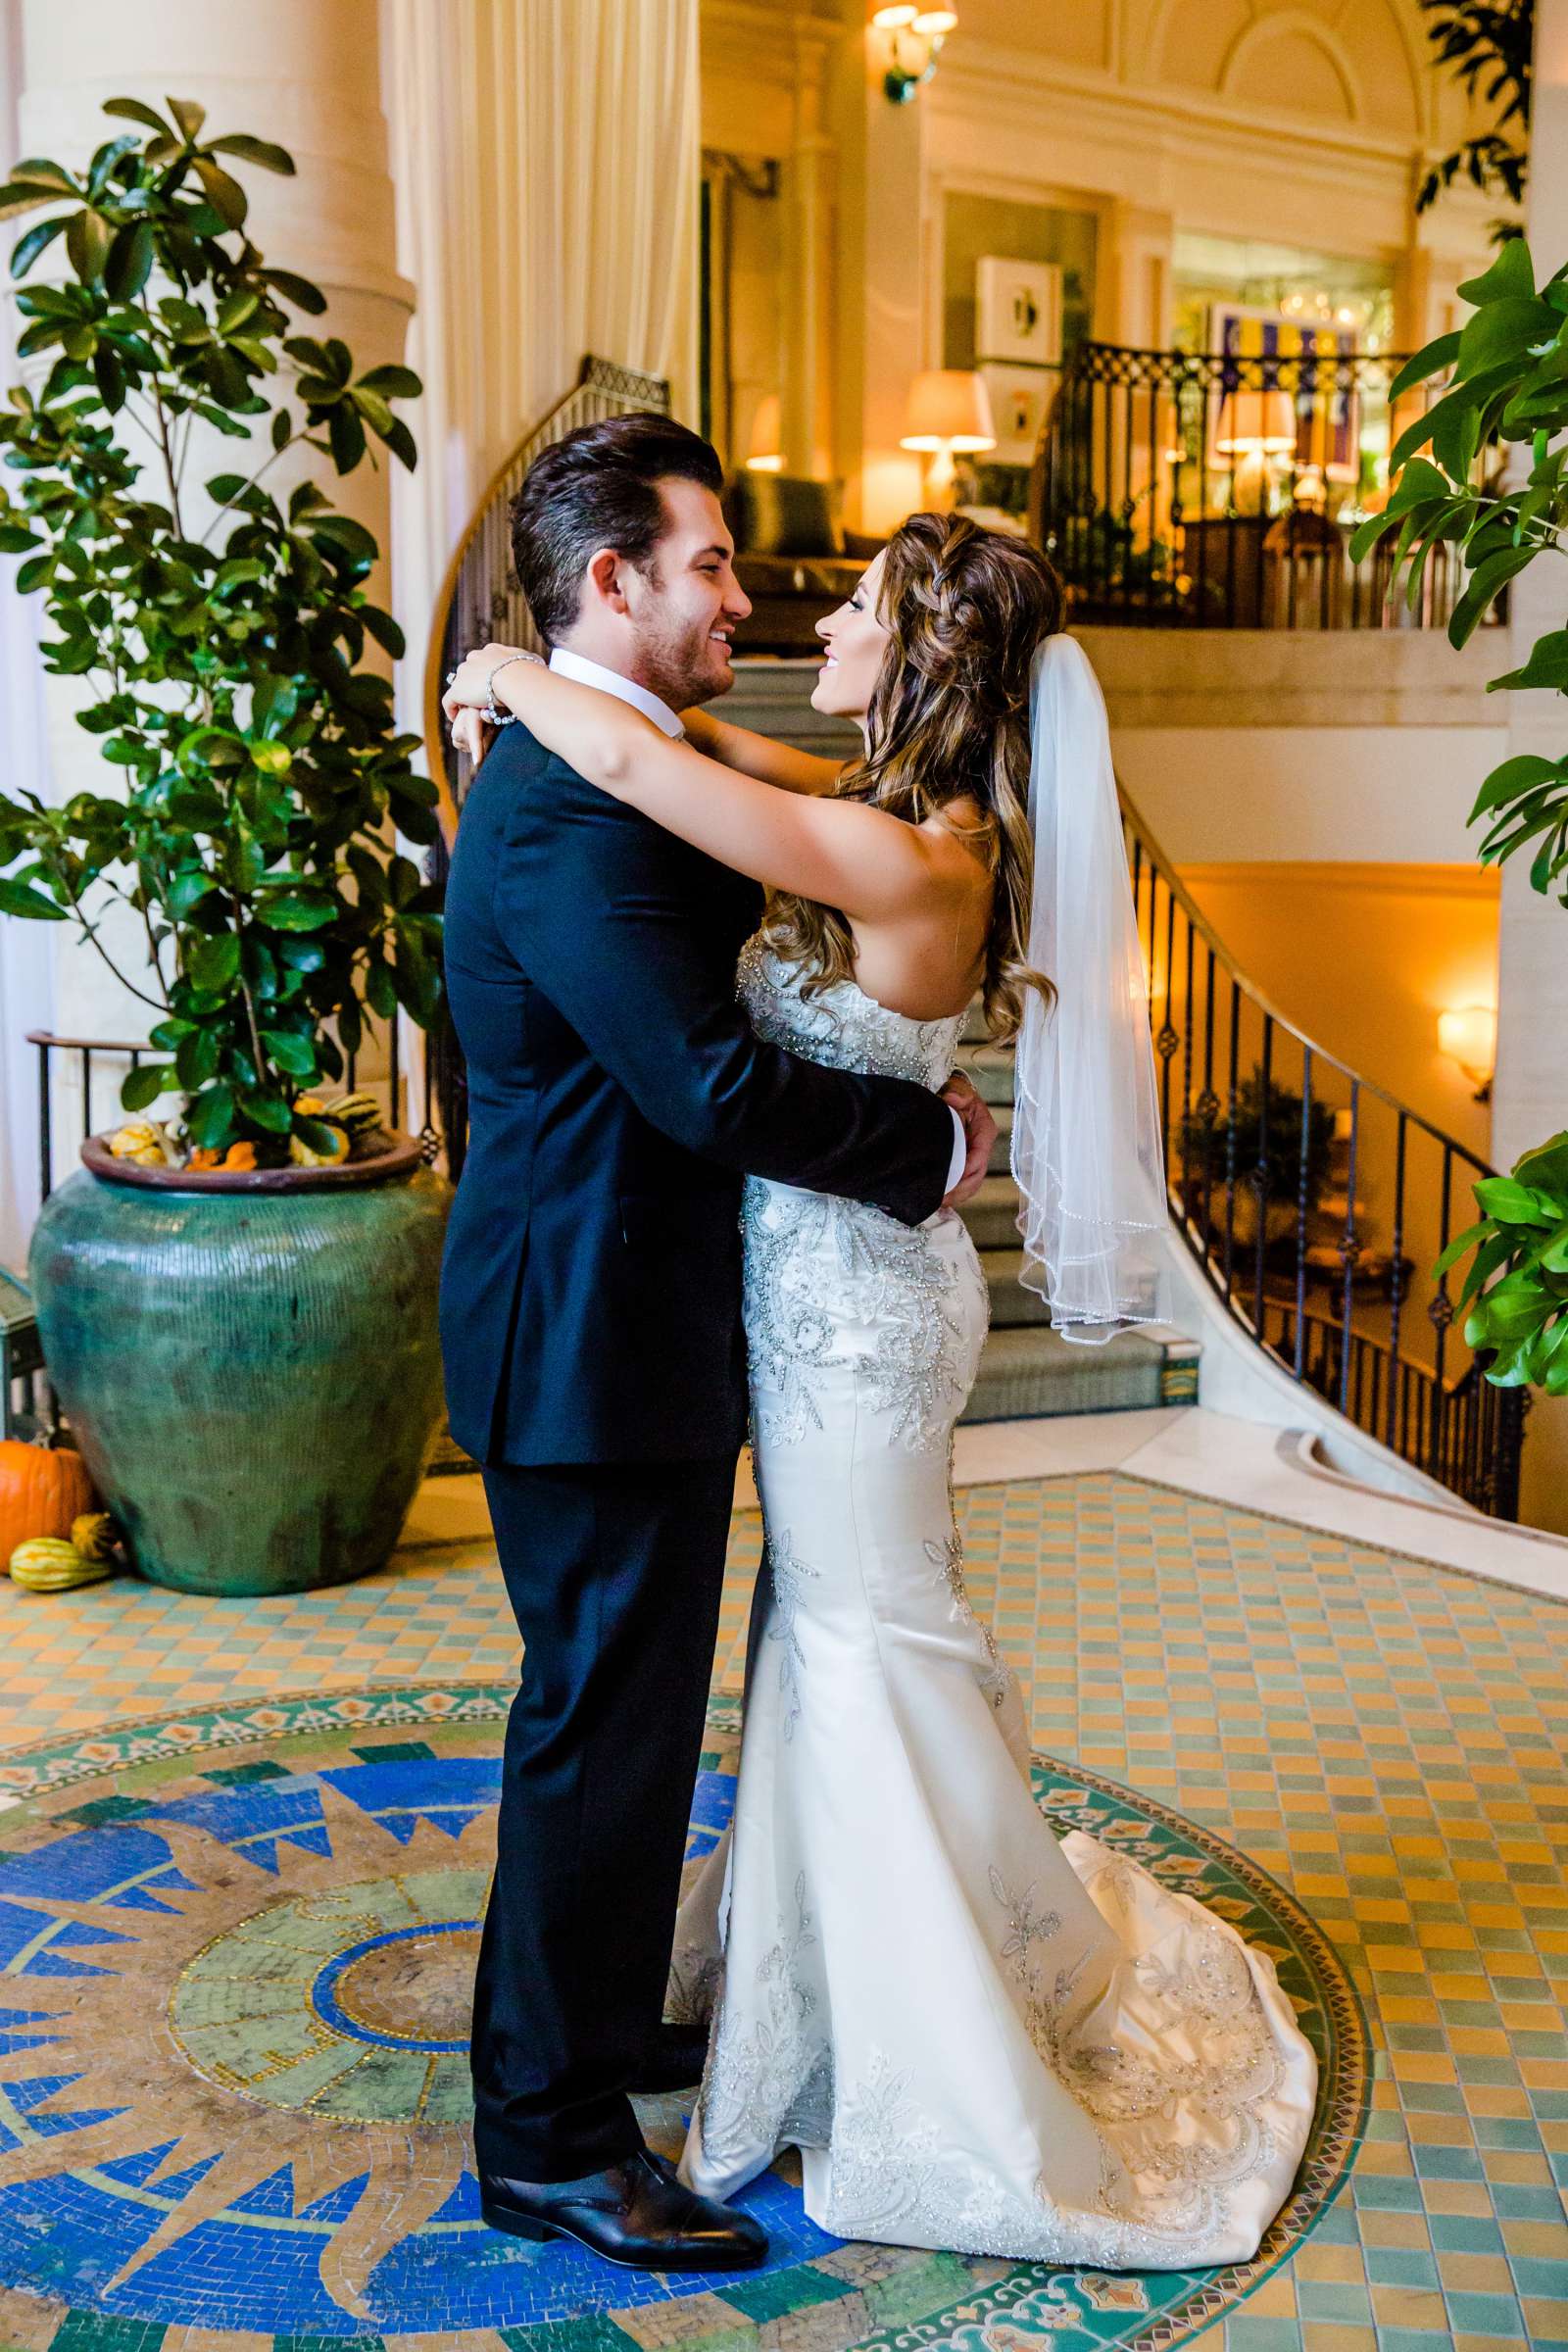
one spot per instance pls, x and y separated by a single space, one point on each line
628 690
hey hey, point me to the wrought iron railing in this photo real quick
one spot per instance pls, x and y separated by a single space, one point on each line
1316 1202
1218 490
481 598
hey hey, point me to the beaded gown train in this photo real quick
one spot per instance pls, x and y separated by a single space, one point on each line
978 2036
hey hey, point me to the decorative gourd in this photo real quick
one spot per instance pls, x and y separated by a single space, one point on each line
49 1565
360 1114
303 1155
239 1155
143 1142
94 1535
42 1489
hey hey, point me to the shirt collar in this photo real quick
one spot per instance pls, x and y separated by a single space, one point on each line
610 681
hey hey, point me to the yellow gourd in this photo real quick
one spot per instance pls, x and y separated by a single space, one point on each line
94 1535
304 1156
49 1565
144 1142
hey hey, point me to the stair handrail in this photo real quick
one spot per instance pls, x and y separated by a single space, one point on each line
1134 821
1456 1426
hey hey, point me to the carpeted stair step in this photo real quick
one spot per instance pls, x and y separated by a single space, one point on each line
1011 1304
1031 1371
991 1070
1001 1161
991 1216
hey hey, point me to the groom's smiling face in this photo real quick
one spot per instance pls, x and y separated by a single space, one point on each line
682 608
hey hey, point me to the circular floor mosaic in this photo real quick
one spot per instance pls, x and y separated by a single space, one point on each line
236 1955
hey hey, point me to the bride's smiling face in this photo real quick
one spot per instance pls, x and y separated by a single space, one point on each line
853 641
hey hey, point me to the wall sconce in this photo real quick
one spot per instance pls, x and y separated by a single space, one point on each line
765 453
1468 1036
949 410
1254 428
916 36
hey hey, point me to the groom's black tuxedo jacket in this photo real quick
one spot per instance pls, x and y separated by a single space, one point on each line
591 1294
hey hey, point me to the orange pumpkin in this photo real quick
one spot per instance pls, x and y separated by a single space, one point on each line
42 1489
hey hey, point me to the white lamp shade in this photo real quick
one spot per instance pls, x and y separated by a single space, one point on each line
1252 419
765 450
949 409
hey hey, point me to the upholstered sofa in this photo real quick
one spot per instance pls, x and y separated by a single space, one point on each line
793 557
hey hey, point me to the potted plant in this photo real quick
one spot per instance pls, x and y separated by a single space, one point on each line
237 1301
1201 1151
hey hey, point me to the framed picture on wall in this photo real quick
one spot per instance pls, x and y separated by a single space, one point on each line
1017 310
1018 398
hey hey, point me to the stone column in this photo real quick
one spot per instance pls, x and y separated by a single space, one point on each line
880 315
305 74
804 169
1529 1094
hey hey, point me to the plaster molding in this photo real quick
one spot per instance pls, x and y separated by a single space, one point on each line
1287 22
1418 879
771 40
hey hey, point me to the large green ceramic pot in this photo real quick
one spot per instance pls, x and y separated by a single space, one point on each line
250 1366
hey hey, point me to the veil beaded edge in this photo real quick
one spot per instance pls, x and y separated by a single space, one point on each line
1086 1150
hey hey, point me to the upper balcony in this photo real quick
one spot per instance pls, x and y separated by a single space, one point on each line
1208 490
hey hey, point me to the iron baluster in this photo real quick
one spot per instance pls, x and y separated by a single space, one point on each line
1397 1271
1350 1246
46 1173
1300 1204
1260 1177
1441 1311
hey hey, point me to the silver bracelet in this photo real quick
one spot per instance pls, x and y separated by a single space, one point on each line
494 715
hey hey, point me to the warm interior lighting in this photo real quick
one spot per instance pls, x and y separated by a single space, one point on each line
1253 420
949 409
1468 1034
765 451
915 36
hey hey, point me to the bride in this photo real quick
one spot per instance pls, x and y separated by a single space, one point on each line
978 2036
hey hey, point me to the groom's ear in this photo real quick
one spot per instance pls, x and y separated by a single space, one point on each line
604 582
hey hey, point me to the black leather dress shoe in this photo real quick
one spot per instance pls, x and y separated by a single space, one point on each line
636 2214
674 2062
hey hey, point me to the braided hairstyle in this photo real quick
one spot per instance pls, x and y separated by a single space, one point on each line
948 718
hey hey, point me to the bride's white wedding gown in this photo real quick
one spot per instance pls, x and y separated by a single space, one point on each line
979 2037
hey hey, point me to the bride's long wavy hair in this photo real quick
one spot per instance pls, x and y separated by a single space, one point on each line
965 609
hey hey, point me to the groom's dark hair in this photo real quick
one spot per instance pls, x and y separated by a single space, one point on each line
596 488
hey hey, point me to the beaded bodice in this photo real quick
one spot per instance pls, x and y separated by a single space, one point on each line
841 1026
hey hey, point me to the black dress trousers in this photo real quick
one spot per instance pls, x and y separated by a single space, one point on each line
614 1573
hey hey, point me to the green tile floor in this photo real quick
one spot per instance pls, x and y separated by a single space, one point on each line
1386 1737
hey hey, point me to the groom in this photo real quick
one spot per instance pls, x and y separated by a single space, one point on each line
591 1324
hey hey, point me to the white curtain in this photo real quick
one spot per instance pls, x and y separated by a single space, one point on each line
546 156
26 950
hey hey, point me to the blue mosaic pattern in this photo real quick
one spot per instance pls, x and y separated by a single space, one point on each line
239 2198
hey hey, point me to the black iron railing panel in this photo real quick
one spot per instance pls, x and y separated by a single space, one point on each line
1221 490
1316 1202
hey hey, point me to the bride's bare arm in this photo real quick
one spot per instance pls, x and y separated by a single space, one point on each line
874 868
759 756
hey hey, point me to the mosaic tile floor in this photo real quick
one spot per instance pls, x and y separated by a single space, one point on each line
1386 1737
236 1945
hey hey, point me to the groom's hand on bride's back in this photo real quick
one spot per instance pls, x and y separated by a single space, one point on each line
980 1133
